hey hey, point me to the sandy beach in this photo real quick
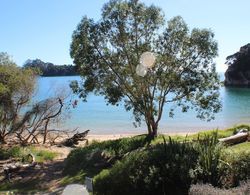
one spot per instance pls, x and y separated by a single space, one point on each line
95 137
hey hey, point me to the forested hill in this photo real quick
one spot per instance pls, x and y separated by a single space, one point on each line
50 69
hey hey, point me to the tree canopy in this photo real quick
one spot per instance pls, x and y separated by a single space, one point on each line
107 52
16 88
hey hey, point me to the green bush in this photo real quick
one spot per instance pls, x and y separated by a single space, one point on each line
161 169
98 155
236 168
210 150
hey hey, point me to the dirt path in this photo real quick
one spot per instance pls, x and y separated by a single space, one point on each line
44 177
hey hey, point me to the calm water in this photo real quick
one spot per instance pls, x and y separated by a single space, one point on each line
102 119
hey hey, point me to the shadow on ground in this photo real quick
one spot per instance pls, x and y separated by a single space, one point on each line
44 177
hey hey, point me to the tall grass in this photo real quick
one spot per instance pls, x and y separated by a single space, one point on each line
210 151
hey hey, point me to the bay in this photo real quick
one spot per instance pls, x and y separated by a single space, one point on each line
102 119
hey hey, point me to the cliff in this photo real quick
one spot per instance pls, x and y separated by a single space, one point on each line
238 72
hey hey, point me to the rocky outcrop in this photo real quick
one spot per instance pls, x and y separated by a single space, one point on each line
238 72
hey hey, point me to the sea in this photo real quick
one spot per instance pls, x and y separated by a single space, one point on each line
102 119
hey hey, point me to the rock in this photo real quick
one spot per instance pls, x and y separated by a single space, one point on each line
238 72
75 189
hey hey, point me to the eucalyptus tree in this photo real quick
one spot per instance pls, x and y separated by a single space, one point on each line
107 54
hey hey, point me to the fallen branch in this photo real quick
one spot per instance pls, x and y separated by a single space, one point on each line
235 139
74 140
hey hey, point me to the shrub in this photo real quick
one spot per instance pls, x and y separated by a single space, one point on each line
236 169
98 155
210 151
161 169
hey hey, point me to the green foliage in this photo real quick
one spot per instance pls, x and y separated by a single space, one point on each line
43 155
132 166
93 158
24 187
236 169
154 170
210 151
16 88
239 148
107 53
40 155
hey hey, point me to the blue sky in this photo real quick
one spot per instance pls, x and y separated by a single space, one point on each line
42 29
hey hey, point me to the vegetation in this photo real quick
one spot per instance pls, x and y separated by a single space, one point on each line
49 69
154 170
102 154
16 88
40 155
133 166
107 53
17 117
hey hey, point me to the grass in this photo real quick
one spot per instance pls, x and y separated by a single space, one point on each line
27 187
78 178
201 134
239 148
41 155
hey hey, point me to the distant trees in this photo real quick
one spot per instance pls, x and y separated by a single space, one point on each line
107 54
49 69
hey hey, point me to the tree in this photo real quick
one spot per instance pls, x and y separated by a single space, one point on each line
107 53
35 121
16 88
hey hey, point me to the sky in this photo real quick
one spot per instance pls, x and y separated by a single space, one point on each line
31 29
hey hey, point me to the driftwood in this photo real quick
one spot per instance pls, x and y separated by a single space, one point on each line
74 140
240 137
10 166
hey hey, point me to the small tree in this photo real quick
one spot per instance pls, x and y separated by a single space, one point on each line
35 122
16 88
107 53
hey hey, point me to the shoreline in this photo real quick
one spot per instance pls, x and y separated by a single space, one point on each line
105 137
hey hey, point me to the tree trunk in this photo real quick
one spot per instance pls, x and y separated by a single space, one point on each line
152 127
45 131
2 139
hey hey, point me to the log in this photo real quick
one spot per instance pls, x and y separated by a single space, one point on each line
235 139
74 140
